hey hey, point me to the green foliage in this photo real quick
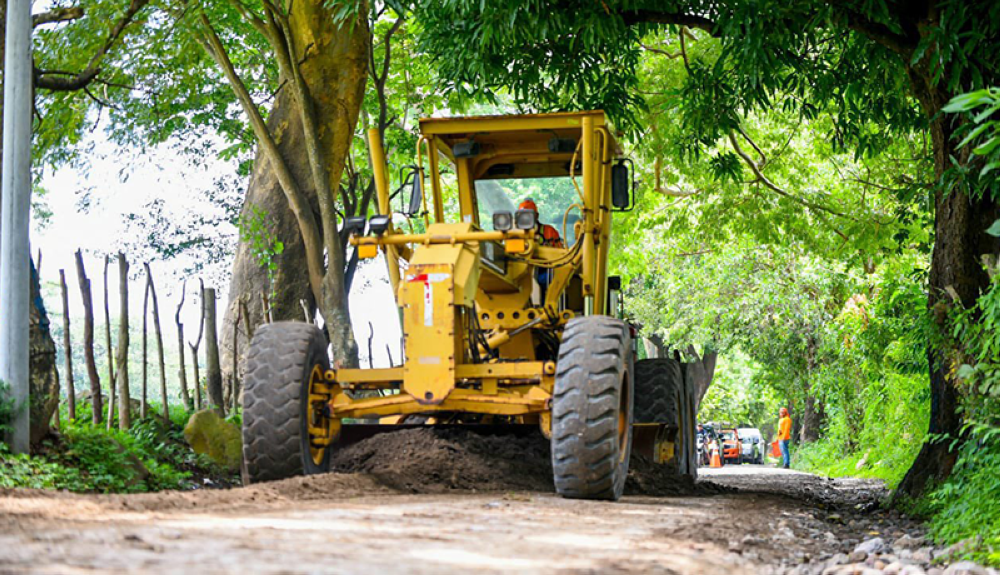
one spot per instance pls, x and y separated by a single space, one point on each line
8 408
150 456
264 245
967 505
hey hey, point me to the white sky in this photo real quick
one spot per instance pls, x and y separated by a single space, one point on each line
121 183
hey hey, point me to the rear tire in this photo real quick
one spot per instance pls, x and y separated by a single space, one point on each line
656 384
280 363
592 409
664 396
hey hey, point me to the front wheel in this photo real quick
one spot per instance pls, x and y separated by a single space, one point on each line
592 409
285 361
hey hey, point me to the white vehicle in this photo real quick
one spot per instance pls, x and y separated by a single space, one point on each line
752 448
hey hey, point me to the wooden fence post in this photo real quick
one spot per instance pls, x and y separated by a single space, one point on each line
144 406
159 345
125 403
212 353
67 350
182 372
109 350
88 339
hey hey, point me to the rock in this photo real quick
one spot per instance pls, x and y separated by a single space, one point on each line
957 549
871 546
830 537
852 569
907 542
965 568
838 559
208 434
857 556
923 555
912 570
751 540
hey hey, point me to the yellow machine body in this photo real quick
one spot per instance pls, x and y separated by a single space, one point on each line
480 331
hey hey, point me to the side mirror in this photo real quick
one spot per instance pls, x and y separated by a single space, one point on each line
416 195
622 188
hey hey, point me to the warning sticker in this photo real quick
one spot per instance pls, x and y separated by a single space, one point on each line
428 304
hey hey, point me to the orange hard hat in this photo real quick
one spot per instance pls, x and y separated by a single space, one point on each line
528 204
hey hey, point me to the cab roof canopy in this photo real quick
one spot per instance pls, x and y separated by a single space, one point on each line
516 146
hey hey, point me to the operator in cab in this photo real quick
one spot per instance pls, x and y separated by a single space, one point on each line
548 235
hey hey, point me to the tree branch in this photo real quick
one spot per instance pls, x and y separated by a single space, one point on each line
296 198
93 68
632 17
57 15
774 188
878 33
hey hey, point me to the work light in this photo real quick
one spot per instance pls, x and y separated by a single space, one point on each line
355 225
378 225
502 221
526 219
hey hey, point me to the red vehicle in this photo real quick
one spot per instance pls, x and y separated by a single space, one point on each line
731 446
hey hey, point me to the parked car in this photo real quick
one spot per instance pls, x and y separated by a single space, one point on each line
732 449
753 444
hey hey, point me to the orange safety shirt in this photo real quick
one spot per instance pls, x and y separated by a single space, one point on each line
784 428
550 237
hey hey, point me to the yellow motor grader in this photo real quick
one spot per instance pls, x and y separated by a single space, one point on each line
508 314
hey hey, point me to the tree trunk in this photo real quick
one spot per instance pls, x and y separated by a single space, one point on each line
43 377
96 404
108 349
125 401
67 349
212 353
144 406
960 238
159 345
197 377
334 65
182 370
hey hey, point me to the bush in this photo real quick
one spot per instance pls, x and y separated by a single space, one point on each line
7 409
150 456
967 505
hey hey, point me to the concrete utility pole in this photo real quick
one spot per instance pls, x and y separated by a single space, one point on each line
14 216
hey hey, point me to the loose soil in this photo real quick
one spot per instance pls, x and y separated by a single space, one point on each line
433 501
439 460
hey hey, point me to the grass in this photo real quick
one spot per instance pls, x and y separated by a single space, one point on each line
81 457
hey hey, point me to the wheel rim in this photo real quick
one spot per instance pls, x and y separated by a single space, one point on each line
623 417
319 428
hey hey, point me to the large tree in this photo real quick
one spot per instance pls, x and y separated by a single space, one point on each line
879 66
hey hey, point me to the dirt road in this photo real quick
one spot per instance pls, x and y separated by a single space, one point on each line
771 520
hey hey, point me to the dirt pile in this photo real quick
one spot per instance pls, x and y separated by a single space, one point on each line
437 460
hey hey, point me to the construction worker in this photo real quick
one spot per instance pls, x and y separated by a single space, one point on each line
785 437
548 234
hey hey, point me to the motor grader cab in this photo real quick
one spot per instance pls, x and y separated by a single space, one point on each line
501 324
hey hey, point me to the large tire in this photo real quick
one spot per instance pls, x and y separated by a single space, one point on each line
275 401
592 409
656 384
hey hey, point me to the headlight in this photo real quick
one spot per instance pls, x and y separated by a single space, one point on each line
525 219
355 225
502 221
378 225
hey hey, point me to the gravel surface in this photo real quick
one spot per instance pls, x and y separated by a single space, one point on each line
389 516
